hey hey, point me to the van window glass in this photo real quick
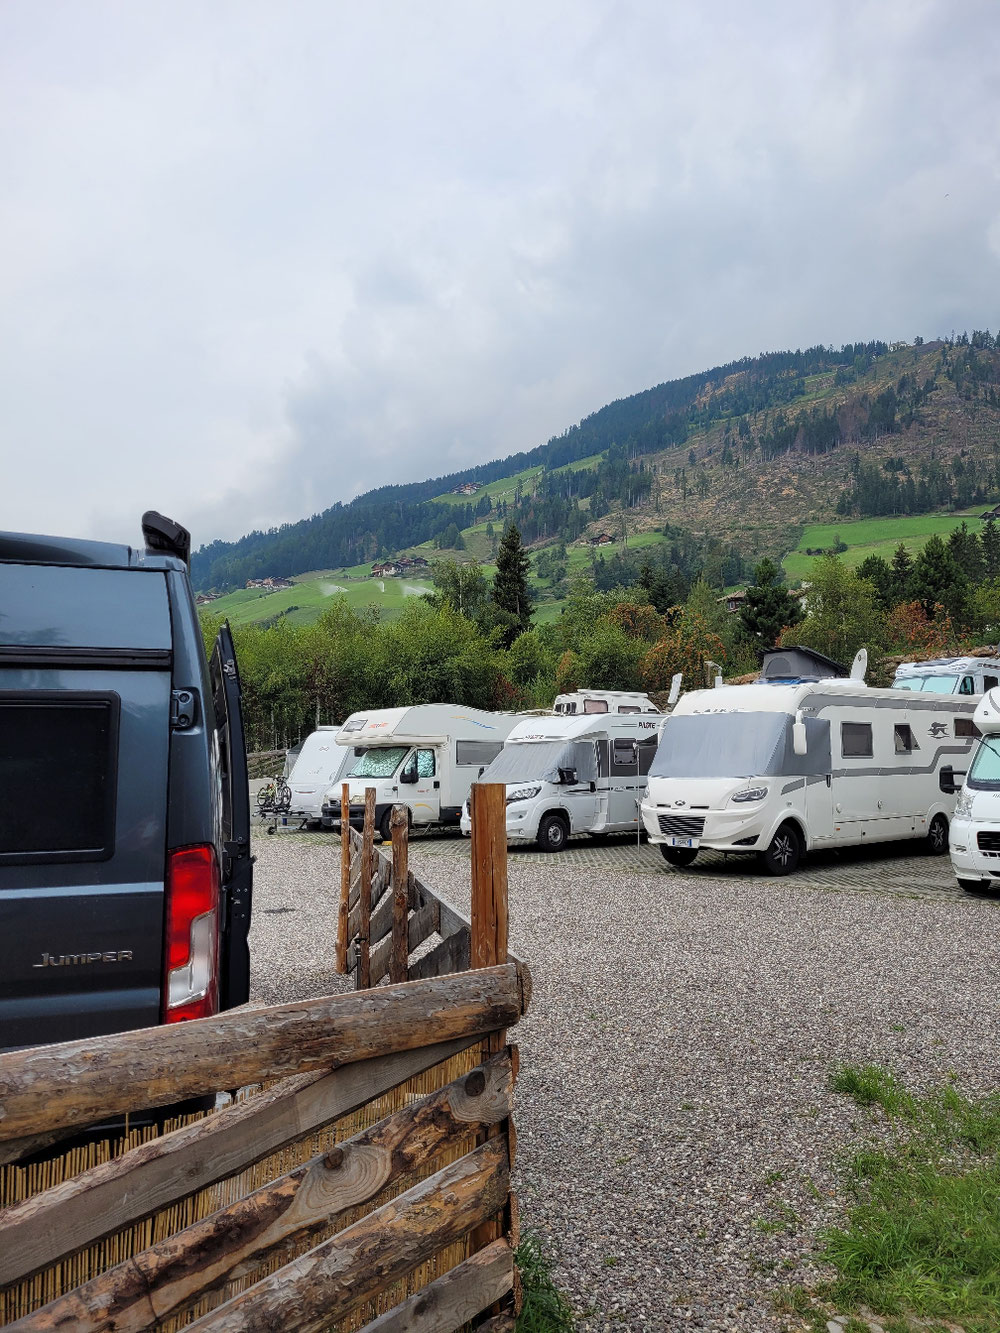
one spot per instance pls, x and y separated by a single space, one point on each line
425 764
964 726
940 684
595 705
984 775
903 739
624 756
473 754
856 740
907 683
968 685
54 606
378 761
58 774
739 745
629 708
989 683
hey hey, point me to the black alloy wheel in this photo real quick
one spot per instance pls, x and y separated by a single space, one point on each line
784 852
936 842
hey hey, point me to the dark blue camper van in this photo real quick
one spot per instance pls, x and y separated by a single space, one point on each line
125 868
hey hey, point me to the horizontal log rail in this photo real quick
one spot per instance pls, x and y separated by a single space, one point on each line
48 1227
173 1273
341 1274
81 1082
462 1293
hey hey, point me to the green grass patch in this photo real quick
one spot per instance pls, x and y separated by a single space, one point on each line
922 1237
545 1309
501 489
309 597
874 536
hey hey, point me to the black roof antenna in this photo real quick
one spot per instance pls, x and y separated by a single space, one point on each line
164 535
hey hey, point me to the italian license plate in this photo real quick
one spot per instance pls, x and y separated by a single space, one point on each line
683 842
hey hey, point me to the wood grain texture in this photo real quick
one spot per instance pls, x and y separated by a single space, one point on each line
81 1082
312 1292
169 1276
488 813
399 956
365 891
451 955
345 877
47 1227
419 927
452 1300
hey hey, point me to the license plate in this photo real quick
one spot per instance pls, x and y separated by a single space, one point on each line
683 842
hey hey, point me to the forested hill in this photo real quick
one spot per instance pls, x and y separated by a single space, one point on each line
746 450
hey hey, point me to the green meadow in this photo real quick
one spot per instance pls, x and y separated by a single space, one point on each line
874 536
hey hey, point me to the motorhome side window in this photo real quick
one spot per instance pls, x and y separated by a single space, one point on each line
856 740
903 737
420 764
964 726
595 706
476 754
968 685
628 708
989 683
624 756
377 761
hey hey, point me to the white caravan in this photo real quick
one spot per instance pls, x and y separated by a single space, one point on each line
949 675
780 769
568 775
426 758
604 701
318 765
974 840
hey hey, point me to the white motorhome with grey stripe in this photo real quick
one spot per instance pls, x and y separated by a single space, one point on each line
778 769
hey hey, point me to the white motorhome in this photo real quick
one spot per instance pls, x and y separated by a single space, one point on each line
425 757
604 701
568 775
974 837
318 765
781 769
949 675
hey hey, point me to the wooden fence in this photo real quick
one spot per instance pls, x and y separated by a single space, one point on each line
360 1179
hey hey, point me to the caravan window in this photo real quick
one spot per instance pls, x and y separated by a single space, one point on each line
989 683
624 756
968 685
628 708
903 738
856 740
595 705
379 761
475 754
964 726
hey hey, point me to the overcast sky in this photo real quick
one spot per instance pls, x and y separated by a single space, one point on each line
257 258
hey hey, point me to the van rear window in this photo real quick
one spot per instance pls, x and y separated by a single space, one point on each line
58 775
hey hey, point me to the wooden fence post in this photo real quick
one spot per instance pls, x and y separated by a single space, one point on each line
365 892
400 957
345 876
488 813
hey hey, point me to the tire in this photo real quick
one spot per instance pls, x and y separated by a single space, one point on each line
553 833
678 856
936 841
784 852
385 825
977 888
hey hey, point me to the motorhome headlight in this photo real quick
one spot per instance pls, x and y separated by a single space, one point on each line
963 806
522 794
749 794
645 792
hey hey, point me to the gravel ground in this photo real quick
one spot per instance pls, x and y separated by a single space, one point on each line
677 1138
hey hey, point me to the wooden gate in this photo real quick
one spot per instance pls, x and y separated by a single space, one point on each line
360 1178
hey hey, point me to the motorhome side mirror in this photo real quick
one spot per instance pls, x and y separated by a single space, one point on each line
946 780
799 735
568 776
408 775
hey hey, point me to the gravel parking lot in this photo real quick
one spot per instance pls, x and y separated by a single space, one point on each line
677 1138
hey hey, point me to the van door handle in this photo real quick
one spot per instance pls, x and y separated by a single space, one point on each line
437 786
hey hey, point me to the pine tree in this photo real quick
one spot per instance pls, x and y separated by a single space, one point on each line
769 606
938 580
989 541
511 596
902 573
966 551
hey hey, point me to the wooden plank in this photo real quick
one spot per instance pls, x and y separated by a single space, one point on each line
345 877
365 891
458 1296
451 955
169 1276
326 1284
399 956
488 813
81 1082
500 1323
49 1226
419 927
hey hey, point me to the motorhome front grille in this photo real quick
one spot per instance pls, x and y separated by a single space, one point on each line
681 826
988 840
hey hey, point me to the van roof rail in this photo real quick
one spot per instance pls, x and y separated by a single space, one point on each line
166 536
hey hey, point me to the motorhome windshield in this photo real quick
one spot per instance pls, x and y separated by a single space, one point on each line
526 761
984 775
739 745
378 761
928 684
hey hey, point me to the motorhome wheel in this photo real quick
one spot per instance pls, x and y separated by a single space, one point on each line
937 836
784 852
978 887
552 833
385 824
678 856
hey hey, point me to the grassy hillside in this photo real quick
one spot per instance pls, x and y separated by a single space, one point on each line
873 536
311 595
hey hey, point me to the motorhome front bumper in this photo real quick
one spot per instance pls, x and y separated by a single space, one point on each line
975 850
735 830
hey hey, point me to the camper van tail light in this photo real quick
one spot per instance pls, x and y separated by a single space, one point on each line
750 794
191 965
522 794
